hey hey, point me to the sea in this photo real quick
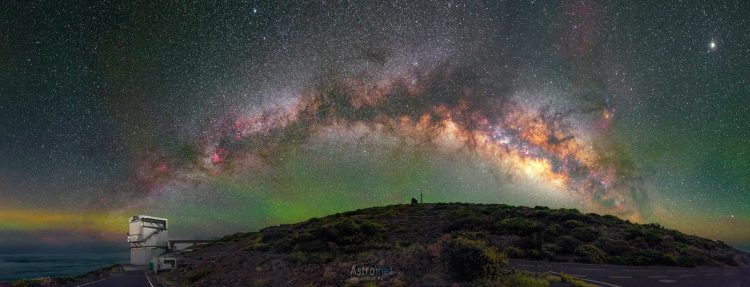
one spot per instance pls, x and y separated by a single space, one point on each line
35 265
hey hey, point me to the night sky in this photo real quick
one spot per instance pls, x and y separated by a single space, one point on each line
227 118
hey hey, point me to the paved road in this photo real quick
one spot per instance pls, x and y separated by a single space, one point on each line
127 279
638 276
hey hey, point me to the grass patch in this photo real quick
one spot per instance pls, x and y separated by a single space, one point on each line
519 279
575 282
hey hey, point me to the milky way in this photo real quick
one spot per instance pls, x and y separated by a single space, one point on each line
441 107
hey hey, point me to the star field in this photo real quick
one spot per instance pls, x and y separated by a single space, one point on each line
231 117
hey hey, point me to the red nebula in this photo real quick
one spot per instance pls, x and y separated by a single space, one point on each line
218 156
216 159
162 167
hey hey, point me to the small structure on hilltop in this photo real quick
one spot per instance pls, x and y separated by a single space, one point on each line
414 200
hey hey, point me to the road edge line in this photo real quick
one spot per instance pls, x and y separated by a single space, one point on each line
149 280
92 282
588 280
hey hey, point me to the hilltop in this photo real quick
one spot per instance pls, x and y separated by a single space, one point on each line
439 244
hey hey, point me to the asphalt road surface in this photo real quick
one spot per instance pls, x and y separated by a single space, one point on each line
602 275
643 276
136 278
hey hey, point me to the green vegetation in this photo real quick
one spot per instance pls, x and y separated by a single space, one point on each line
442 244
467 259
519 279
574 282
32 282
566 234
591 254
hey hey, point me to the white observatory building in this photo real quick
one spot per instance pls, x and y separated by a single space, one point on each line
147 238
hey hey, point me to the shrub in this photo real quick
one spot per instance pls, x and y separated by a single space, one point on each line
357 231
668 259
535 254
468 259
570 224
514 252
652 235
613 246
553 230
472 235
515 279
469 222
585 234
591 254
519 225
567 243
348 235
549 250
688 261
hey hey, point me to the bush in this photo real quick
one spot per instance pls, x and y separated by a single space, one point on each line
549 250
570 224
591 254
585 234
553 230
519 225
472 235
515 279
514 252
347 235
613 246
468 259
469 222
567 243
668 259
353 232
653 236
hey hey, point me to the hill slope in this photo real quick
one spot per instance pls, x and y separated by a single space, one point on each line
436 244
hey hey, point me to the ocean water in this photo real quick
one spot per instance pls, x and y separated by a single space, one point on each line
35 265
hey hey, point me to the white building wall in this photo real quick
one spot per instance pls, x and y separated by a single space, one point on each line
147 238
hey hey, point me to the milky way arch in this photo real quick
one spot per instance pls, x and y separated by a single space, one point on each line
445 107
